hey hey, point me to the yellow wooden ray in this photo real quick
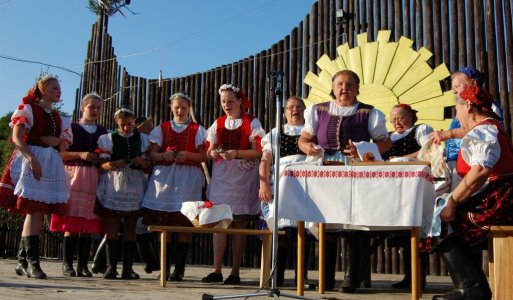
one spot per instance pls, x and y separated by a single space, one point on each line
390 73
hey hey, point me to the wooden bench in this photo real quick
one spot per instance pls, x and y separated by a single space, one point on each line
500 261
265 265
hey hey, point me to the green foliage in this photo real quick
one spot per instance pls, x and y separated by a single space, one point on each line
5 130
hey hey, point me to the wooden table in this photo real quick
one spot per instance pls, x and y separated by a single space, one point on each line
379 196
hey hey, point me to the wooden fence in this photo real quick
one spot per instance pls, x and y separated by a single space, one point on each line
460 33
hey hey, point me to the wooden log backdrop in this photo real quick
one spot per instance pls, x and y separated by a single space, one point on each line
473 33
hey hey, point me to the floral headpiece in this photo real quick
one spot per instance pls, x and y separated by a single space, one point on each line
180 95
124 111
480 98
472 73
238 92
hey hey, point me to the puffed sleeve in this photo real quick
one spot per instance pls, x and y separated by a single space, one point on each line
481 147
201 136
266 141
22 115
377 125
311 120
145 142
156 136
105 145
257 132
66 132
212 133
422 133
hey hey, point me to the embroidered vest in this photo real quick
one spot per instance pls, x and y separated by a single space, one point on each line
183 141
237 139
334 132
125 148
44 124
403 146
288 145
84 141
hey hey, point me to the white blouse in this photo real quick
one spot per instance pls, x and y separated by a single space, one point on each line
231 124
157 137
267 140
376 125
421 135
480 146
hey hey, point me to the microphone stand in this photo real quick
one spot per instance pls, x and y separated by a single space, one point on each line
273 290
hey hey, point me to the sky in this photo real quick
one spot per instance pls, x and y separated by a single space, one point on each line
181 37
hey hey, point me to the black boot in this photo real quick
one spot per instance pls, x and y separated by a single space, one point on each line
181 260
69 247
21 267
84 247
128 261
330 263
468 277
111 247
31 244
283 254
99 260
146 253
351 278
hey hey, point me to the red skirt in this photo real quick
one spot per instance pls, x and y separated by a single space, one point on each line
493 206
76 224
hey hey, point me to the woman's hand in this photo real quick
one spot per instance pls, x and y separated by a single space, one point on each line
89 156
350 150
448 213
264 193
229 154
439 136
169 156
182 156
50 140
36 168
214 154
312 149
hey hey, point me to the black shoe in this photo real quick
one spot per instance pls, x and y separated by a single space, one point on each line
176 276
213 277
348 286
83 272
129 274
67 270
110 273
232 279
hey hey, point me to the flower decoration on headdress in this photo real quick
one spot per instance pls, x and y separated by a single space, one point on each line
238 92
472 73
180 95
477 96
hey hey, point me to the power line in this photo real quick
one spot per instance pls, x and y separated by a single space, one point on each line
6 2
38 62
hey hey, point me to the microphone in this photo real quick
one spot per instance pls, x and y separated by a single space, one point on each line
279 81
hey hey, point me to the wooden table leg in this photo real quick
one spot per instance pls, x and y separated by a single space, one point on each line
265 260
415 265
300 258
163 250
322 258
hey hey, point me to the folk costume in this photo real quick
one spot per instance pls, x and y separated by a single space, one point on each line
334 126
235 182
79 216
20 192
289 153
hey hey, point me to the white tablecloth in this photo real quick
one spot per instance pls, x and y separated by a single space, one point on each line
371 195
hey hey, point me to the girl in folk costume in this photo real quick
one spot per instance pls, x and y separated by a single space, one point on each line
235 148
289 153
177 150
34 182
81 162
121 189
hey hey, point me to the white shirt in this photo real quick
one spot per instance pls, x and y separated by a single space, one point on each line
231 124
157 138
268 140
480 146
421 135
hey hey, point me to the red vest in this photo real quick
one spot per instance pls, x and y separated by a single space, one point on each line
44 124
237 139
183 141
505 163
